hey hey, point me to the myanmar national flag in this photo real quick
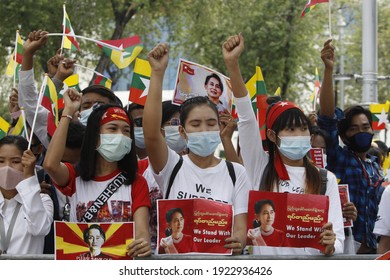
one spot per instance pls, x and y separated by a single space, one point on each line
69 42
102 80
4 126
72 82
50 102
131 48
310 6
16 60
140 83
261 97
380 115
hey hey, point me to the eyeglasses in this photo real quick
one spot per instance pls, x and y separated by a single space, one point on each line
138 122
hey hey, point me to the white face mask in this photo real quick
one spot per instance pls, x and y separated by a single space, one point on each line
294 147
10 177
173 138
139 137
114 147
84 115
203 143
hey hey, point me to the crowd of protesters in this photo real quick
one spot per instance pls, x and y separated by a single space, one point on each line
99 141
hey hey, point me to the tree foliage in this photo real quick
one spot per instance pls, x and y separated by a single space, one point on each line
286 46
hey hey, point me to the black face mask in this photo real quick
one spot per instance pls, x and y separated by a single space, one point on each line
360 142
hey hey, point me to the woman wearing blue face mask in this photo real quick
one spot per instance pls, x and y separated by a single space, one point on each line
105 186
285 168
201 175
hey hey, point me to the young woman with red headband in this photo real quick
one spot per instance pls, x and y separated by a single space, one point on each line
285 166
107 172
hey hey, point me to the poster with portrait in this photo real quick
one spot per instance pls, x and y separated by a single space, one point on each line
286 219
344 198
193 226
197 80
92 241
317 156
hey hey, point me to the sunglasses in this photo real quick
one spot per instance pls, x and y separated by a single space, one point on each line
138 122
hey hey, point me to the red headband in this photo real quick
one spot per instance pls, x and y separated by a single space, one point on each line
113 114
275 111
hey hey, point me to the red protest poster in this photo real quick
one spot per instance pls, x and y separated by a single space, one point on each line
286 219
93 241
344 198
317 156
193 226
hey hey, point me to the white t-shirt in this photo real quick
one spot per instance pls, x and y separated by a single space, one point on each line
34 218
256 159
382 225
120 207
212 183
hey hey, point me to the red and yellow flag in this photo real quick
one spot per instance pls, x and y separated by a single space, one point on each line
311 5
50 102
16 58
380 115
69 42
131 48
140 83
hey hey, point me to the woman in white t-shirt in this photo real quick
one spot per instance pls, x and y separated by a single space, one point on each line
288 140
106 186
202 175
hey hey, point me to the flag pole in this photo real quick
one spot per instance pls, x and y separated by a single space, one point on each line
330 18
14 58
63 29
89 39
40 96
91 70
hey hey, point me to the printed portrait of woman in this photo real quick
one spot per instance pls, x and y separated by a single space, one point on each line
214 88
263 232
176 241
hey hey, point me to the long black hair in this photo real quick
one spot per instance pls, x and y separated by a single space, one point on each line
290 118
87 166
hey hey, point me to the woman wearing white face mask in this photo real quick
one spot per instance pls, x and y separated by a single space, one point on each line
26 214
286 167
105 187
201 175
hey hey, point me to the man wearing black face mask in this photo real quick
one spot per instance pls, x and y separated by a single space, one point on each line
351 164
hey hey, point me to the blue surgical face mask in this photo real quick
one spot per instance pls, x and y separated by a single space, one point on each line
84 115
203 143
114 147
139 137
294 147
173 138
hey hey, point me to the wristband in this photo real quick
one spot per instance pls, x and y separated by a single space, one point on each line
67 116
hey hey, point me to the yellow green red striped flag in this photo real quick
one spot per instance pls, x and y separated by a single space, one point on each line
380 115
69 42
140 82
131 49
